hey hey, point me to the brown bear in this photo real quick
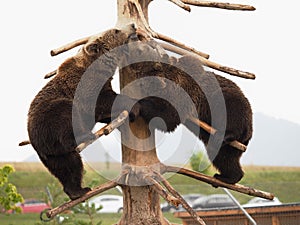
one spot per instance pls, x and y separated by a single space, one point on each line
213 99
64 112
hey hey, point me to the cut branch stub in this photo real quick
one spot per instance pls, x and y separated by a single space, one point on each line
229 70
236 144
220 5
51 74
203 125
23 143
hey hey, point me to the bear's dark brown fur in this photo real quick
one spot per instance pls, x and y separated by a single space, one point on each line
206 91
64 112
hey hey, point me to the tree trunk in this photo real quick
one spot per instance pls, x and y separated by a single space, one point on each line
141 201
127 12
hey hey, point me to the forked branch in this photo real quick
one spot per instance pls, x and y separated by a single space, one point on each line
153 34
220 5
217 183
184 204
162 192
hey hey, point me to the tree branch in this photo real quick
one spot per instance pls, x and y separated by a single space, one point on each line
142 16
153 34
103 187
51 74
217 183
23 143
208 63
106 130
203 125
220 5
162 192
69 46
236 144
184 204
180 45
181 5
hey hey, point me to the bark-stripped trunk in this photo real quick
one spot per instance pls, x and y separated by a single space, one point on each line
141 203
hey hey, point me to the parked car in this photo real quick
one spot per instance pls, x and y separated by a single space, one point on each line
213 201
33 206
189 198
109 203
257 202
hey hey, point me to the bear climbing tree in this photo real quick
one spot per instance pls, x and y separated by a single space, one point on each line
141 178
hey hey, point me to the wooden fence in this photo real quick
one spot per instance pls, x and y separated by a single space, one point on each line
286 214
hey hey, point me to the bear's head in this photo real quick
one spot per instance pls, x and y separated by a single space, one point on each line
108 40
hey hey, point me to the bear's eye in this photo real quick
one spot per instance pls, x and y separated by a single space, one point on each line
117 31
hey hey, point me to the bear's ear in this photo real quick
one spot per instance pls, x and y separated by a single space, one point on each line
92 48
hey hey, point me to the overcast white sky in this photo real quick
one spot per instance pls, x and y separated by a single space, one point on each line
265 42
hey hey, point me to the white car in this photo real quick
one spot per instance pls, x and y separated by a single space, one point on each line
109 203
257 202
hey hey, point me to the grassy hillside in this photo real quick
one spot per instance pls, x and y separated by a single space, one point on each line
32 178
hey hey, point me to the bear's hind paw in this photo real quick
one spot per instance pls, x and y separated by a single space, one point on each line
78 193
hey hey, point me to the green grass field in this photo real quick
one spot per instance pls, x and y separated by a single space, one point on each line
32 178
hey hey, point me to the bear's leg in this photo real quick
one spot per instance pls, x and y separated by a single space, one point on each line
53 136
159 113
110 105
67 169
